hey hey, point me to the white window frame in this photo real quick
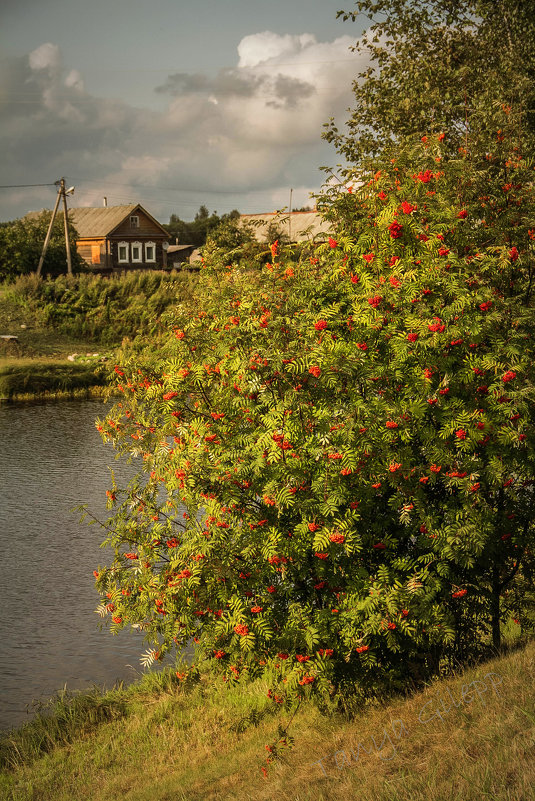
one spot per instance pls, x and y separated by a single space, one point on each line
138 245
134 221
125 245
153 246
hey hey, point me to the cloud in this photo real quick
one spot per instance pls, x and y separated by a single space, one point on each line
228 82
74 80
260 48
239 83
46 57
255 124
249 131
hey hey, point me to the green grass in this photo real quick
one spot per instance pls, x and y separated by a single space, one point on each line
29 378
87 312
34 338
82 315
163 740
36 365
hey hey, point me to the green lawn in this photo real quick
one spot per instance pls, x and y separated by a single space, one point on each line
36 364
34 339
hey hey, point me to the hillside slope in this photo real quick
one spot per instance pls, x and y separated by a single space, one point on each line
445 743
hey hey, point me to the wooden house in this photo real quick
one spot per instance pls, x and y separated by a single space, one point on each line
119 238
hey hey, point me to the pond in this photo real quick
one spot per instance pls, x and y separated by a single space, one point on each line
52 459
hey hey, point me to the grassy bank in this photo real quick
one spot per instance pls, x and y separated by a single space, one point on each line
24 379
50 316
162 739
56 327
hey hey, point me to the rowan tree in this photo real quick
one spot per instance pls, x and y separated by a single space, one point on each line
338 453
438 66
338 449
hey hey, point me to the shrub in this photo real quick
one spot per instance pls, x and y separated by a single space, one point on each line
337 489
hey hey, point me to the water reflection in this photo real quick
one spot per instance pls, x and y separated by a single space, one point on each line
51 460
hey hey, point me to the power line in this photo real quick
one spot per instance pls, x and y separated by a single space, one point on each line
75 101
262 64
22 186
202 191
177 205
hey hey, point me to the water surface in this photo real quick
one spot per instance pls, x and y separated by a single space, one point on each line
51 460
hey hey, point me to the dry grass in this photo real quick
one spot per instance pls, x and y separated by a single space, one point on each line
176 746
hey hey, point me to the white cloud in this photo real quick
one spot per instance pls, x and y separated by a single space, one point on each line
45 57
265 110
259 48
74 80
254 127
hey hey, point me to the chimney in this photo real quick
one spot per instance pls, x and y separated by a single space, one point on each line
105 201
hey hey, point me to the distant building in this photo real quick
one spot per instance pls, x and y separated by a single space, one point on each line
295 226
181 256
119 238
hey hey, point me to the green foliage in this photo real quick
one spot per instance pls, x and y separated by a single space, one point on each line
21 243
338 449
235 241
439 66
338 454
203 226
230 235
102 309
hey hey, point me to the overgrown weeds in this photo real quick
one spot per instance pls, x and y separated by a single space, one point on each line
100 309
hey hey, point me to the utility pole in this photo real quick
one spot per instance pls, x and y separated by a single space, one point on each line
66 222
290 217
62 193
47 238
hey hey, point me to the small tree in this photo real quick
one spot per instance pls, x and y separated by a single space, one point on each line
439 66
203 226
234 241
21 244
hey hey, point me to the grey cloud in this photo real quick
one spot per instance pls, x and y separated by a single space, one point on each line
51 127
289 91
285 91
226 83
15 88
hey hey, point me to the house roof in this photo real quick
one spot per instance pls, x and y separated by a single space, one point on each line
103 220
298 226
93 222
100 221
178 248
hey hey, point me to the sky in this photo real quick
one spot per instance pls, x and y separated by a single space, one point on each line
171 103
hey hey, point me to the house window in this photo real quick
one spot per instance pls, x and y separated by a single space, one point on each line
95 254
134 222
137 251
150 251
123 252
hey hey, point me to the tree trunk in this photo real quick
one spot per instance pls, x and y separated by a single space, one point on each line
495 609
